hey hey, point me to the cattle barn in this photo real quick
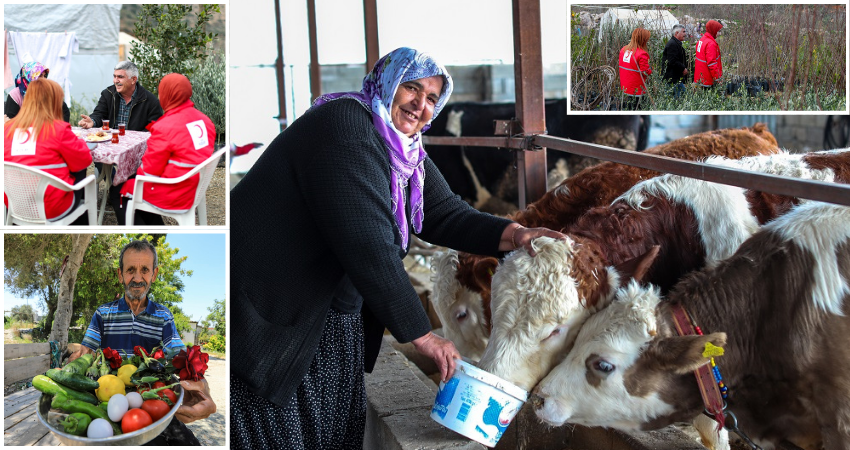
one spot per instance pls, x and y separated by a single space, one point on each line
400 395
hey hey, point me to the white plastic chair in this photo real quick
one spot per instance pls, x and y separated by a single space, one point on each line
187 218
25 187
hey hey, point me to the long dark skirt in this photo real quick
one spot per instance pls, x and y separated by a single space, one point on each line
328 410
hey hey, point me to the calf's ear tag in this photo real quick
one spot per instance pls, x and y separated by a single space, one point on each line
712 350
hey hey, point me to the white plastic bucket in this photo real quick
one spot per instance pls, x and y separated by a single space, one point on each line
477 404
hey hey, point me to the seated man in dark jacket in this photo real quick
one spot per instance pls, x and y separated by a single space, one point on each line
674 61
126 101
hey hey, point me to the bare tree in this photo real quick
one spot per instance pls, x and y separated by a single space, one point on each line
65 302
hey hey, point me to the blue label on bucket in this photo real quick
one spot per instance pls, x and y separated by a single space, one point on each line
444 398
464 412
492 415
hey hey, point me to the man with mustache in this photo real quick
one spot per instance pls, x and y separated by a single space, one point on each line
126 101
133 320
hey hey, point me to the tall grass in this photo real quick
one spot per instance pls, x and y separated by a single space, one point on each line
757 42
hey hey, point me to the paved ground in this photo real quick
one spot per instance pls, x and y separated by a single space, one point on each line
211 430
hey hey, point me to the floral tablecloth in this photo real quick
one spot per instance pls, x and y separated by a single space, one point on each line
126 155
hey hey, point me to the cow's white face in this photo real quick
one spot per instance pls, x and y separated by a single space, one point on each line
461 311
537 309
620 373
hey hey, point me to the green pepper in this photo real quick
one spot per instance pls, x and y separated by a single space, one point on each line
104 406
76 424
62 402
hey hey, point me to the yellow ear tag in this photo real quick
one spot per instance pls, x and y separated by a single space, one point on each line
490 271
712 350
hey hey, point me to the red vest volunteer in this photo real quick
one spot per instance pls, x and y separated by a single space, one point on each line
634 69
57 151
708 67
180 140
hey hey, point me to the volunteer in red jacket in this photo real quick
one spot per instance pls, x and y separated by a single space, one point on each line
180 140
634 68
38 137
708 68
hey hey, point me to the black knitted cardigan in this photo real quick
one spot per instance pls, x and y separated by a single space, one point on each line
315 206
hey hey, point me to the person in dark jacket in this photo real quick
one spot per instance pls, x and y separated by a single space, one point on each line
319 227
126 101
30 72
673 58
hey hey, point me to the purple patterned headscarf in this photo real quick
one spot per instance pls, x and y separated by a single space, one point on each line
29 72
407 156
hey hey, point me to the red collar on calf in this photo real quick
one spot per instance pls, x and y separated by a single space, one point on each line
708 387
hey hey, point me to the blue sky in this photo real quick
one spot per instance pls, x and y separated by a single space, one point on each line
206 258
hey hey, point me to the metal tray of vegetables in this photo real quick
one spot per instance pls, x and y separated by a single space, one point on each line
70 410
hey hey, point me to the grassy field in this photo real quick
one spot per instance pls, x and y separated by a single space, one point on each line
799 48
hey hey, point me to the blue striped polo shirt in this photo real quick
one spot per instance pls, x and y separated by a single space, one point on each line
115 326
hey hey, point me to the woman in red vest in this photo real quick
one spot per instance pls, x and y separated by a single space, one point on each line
708 68
634 68
180 140
38 137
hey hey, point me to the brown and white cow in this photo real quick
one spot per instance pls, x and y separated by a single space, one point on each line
462 281
779 307
538 303
692 223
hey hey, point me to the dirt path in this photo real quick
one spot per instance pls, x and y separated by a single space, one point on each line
210 431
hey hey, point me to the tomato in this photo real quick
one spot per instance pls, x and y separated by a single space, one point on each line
135 419
168 393
158 385
156 408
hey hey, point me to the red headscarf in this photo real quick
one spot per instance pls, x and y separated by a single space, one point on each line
713 27
174 90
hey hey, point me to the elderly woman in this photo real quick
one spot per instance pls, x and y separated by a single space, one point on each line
180 140
39 138
30 72
634 68
320 225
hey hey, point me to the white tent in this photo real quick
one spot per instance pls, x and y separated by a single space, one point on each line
656 21
96 28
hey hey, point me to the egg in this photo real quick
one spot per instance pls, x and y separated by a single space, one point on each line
135 399
99 428
117 407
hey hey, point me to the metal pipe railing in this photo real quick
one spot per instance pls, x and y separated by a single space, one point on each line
774 184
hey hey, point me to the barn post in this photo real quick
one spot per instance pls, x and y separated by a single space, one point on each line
370 18
278 66
530 109
315 68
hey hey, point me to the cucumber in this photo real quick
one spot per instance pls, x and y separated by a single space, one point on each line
72 380
79 365
50 387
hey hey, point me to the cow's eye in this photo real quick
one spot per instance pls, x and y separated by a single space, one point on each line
603 366
461 315
555 333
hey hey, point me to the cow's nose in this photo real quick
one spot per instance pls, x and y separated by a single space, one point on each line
536 401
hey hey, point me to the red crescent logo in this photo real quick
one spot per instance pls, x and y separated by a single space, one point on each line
200 130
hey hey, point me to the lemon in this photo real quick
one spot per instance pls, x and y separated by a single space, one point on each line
125 372
109 386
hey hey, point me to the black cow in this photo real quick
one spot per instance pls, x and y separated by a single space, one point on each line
495 169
